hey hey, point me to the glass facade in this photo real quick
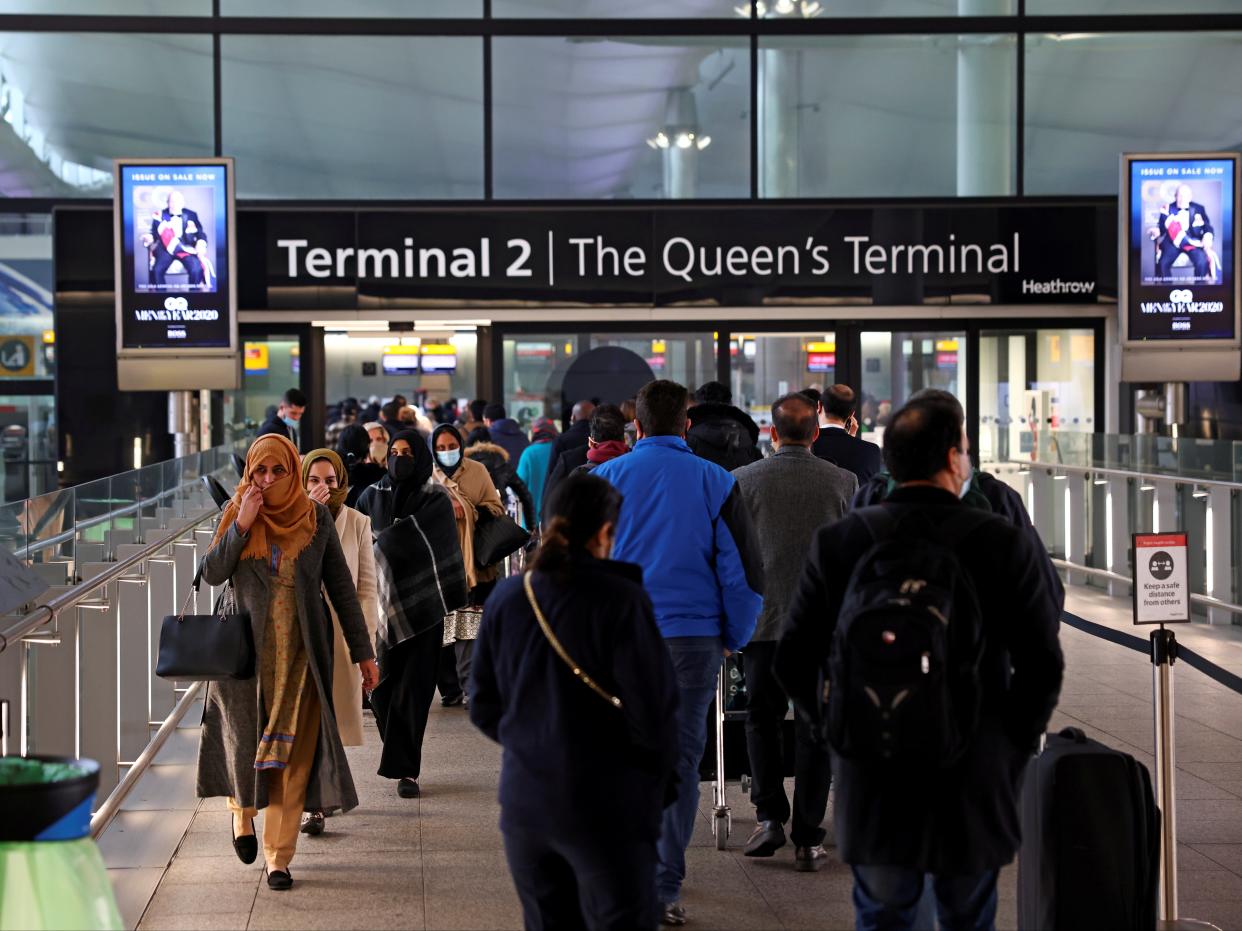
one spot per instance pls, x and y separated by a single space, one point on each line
896 364
820 137
354 116
1087 101
764 366
591 99
620 118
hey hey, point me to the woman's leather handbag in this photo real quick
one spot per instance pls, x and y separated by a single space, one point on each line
207 647
495 537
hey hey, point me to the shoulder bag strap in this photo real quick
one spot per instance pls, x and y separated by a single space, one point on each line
560 650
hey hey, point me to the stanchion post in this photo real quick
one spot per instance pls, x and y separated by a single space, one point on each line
1163 655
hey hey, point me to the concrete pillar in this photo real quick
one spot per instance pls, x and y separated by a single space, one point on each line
986 89
1075 503
681 155
1117 544
778 121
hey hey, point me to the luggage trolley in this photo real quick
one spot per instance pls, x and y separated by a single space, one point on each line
727 755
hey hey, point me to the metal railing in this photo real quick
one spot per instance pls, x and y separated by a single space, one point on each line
1086 512
77 667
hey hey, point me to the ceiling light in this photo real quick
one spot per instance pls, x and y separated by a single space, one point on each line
703 142
685 140
812 8
784 7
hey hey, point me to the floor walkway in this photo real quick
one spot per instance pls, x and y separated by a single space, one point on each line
438 862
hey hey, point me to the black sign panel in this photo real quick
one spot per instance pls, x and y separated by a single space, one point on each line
1180 247
174 247
728 255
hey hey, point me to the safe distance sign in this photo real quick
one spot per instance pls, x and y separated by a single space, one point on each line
1161 579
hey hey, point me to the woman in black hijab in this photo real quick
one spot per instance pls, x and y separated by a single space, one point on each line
420 578
354 448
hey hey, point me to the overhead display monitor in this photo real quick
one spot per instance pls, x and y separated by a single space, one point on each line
400 360
439 358
175 257
1179 259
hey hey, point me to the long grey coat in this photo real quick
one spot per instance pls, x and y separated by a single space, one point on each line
791 494
234 709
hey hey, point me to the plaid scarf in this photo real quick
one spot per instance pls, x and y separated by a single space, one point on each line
419 570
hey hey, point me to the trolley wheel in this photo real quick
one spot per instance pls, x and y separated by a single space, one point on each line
720 829
746 785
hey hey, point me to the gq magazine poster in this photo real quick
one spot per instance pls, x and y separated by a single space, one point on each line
1180 273
174 276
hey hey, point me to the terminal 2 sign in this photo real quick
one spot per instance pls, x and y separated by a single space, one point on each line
667 255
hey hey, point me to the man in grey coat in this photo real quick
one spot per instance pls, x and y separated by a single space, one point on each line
790 495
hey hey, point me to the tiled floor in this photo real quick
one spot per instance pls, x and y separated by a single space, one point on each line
438 862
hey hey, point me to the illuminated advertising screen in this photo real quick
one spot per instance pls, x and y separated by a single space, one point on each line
1179 262
174 281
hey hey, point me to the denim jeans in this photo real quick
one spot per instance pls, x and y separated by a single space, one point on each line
696 661
886 898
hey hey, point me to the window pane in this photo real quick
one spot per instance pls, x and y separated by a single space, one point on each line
937 116
535 365
329 117
1090 97
108 7
907 7
388 9
621 118
262 386
686 358
1033 383
896 365
73 102
612 9
1048 7
768 365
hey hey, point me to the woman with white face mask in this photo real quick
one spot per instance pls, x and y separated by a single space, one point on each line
470 486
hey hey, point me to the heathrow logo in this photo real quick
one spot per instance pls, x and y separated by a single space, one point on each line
1181 296
180 303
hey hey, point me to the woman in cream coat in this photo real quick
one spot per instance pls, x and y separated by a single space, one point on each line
470 486
326 481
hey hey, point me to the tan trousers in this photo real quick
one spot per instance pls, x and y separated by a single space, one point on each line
286 790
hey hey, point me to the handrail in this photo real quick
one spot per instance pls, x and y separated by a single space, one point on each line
1205 600
66 535
112 804
1126 473
47 612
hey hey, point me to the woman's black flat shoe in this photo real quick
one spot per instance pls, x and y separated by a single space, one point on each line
279 880
247 846
408 788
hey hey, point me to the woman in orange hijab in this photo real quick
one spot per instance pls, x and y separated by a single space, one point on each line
272 741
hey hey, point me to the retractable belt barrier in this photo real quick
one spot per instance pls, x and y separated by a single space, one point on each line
1163 650
1229 680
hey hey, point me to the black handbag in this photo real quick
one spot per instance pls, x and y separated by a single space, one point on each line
495 537
207 647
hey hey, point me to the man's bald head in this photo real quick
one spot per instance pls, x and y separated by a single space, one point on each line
839 402
582 411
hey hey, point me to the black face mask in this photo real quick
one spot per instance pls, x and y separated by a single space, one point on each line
401 468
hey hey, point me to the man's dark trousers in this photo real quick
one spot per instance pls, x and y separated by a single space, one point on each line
767 706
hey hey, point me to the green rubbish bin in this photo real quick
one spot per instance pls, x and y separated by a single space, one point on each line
51 873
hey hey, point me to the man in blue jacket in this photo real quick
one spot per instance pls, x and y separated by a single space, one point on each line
685 522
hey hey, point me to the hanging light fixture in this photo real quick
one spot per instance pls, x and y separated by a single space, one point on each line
681 129
807 9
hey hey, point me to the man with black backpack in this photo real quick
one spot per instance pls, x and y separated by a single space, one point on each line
922 644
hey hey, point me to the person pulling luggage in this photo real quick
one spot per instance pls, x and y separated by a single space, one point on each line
922 642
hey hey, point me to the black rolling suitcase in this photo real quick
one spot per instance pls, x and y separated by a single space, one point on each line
1090 854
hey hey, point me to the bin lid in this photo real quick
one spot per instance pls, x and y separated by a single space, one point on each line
46 798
